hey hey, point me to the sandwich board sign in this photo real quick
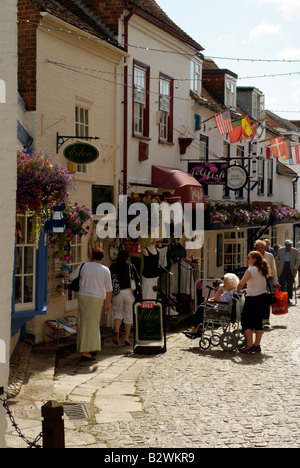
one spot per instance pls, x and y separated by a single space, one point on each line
149 328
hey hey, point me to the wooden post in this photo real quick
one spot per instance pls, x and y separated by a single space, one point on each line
53 425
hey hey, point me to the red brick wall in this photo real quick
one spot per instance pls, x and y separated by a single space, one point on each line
108 11
27 52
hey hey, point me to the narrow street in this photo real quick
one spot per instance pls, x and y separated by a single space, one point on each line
186 398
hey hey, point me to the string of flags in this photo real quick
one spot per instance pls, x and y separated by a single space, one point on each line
282 148
242 129
239 129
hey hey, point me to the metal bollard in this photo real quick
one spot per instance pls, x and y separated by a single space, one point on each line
53 425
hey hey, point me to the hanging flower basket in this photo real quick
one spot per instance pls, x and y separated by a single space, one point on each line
76 219
41 185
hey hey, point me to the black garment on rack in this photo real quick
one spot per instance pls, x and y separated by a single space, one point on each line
151 264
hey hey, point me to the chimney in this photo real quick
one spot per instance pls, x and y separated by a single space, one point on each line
109 12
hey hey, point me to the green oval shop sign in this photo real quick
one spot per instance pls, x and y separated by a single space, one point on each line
81 153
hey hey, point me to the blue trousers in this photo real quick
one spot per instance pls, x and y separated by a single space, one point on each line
286 280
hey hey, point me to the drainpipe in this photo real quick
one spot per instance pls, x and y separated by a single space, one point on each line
117 129
125 124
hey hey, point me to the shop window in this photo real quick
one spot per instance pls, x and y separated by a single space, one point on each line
270 177
25 270
141 99
261 177
101 194
234 250
166 95
76 259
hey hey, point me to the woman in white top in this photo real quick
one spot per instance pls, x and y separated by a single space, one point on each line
95 288
255 304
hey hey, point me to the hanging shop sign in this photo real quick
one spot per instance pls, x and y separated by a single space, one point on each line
212 173
237 177
81 153
149 328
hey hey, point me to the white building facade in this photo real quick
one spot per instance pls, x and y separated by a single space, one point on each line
8 134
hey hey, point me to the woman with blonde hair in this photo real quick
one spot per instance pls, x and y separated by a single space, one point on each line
255 305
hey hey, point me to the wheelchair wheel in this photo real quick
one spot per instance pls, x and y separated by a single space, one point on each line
205 343
215 339
240 337
228 341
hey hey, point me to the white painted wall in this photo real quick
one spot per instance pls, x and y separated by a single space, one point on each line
8 138
59 90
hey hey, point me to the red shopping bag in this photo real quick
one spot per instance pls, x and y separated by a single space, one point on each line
281 305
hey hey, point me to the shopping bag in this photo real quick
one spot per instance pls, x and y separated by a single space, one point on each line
281 305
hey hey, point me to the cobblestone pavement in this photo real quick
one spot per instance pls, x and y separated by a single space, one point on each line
194 398
185 398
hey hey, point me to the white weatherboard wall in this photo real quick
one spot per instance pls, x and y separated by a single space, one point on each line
150 38
8 138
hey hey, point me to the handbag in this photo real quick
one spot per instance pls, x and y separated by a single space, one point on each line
74 285
270 296
135 284
115 284
281 307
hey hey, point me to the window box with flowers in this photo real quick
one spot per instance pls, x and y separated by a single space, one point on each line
221 216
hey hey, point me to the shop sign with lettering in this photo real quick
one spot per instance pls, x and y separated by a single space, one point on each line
81 153
237 177
149 321
212 173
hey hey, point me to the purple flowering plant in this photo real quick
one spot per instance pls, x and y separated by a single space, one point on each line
243 214
41 185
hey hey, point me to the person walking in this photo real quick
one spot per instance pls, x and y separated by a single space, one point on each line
255 303
261 247
94 288
287 262
122 302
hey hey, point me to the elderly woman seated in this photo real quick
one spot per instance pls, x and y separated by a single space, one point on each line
224 295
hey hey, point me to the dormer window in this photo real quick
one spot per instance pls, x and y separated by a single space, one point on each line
258 111
230 92
252 101
196 76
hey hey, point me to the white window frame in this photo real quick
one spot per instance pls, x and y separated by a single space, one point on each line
230 92
139 95
164 107
24 244
196 76
238 242
82 122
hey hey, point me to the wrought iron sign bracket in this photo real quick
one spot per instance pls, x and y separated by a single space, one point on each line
61 140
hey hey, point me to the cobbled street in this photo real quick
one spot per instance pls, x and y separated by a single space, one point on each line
195 398
185 398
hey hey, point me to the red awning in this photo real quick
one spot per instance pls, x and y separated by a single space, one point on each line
185 185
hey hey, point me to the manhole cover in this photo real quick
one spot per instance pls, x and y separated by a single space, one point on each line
76 411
